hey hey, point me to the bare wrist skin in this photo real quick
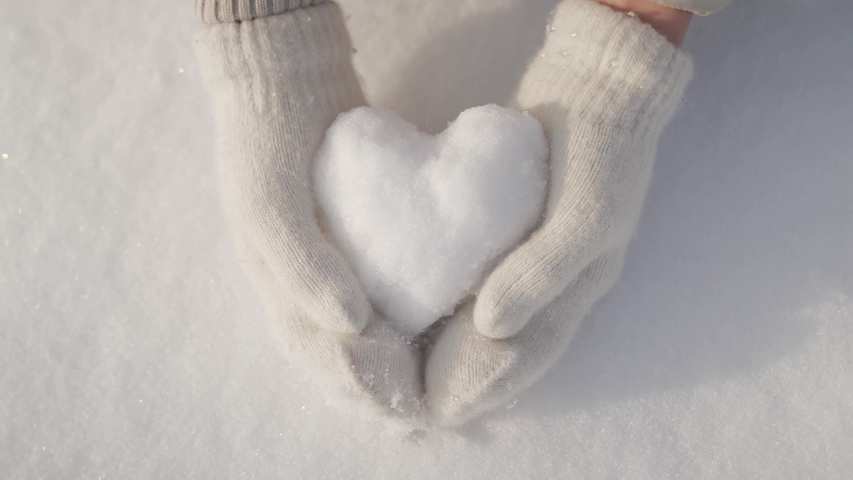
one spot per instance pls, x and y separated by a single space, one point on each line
670 22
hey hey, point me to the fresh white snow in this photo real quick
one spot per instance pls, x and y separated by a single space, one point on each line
132 346
422 217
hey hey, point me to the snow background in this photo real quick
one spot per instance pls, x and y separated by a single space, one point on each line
131 346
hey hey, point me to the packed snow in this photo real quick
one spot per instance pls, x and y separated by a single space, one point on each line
132 346
421 218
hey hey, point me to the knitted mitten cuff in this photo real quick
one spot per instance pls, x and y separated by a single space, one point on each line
305 54
212 12
701 7
608 67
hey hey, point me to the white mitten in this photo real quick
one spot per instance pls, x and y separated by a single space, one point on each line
603 87
279 72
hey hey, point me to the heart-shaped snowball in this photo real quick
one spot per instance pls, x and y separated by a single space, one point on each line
421 218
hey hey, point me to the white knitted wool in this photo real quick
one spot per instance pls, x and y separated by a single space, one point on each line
213 12
603 88
277 83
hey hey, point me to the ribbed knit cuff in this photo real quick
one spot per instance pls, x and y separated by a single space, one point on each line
212 12
701 7
304 56
608 66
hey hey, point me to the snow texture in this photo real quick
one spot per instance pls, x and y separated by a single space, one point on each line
132 346
422 217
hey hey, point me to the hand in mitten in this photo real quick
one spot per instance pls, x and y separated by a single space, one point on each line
603 88
279 73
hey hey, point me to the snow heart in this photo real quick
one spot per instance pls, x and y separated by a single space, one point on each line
422 218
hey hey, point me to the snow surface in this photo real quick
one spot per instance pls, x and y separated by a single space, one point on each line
422 217
131 345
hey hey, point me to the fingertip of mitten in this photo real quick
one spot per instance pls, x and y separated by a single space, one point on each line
494 320
350 316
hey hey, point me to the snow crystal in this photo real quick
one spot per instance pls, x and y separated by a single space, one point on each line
422 217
